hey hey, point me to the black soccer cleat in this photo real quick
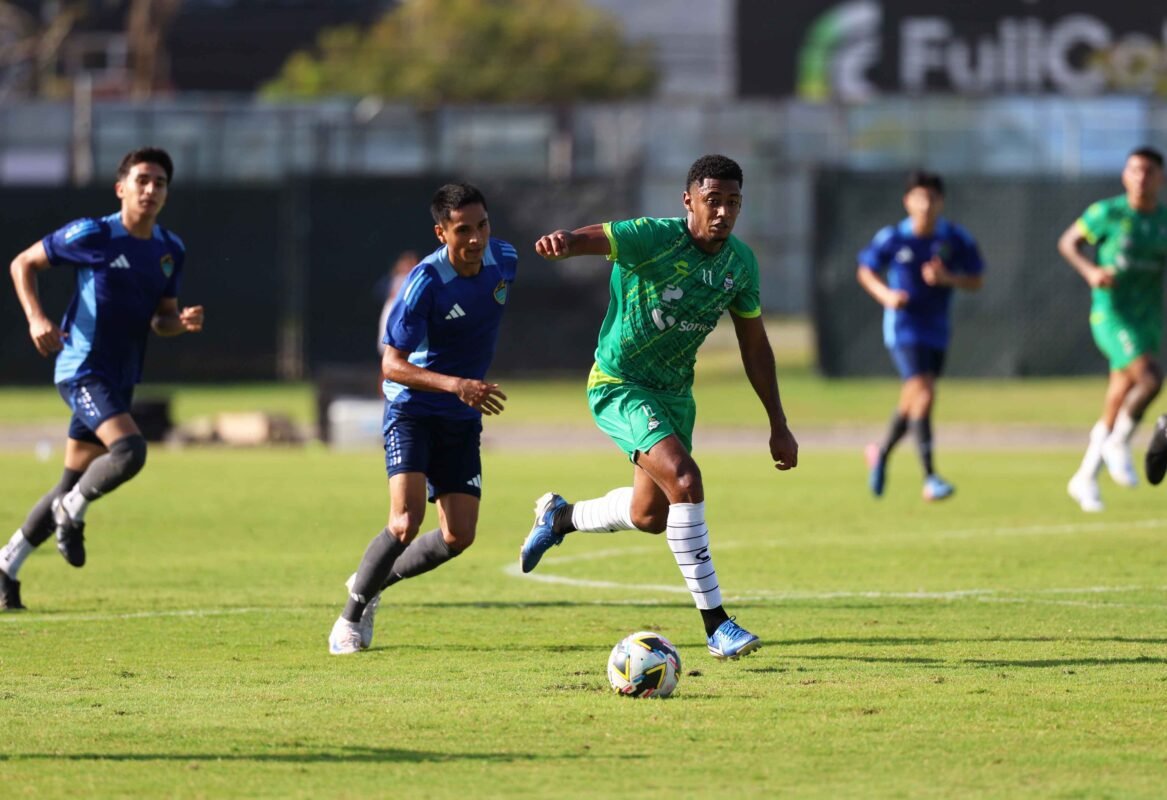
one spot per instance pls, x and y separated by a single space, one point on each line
9 593
1155 463
70 535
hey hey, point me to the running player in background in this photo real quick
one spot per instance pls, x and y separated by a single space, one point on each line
440 340
128 273
672 280
1126 313
924 258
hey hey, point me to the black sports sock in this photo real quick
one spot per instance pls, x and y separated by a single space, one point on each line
713 617
423 554
922 430
378 560
38 526
125 459
561 520
895 431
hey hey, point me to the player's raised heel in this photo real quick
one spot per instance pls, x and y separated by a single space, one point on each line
731 641
365 626
70 535
9 593
345 637
1117 457
936 488
541 538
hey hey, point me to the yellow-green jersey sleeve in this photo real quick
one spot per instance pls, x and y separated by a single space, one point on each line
746 302
635 242
1095 221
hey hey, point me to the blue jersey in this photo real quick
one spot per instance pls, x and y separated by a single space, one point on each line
120 282
902 254
449 323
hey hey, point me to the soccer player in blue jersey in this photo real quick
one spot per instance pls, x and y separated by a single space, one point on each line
128 273
439 342
924 257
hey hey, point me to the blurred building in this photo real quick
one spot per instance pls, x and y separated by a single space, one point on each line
1010 89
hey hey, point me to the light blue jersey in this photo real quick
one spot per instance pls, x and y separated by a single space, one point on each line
901 254
120 282
449 323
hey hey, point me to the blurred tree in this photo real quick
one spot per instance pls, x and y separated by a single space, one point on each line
431 52
29 49
147 23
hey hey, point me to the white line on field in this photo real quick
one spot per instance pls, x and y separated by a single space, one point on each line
190 612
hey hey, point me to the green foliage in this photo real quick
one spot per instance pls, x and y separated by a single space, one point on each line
431 52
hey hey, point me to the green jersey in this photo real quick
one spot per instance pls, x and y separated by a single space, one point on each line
1134 246
667 295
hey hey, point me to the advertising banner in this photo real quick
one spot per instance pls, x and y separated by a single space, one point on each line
855 50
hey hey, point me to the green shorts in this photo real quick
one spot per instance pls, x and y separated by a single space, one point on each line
636 418
1121 341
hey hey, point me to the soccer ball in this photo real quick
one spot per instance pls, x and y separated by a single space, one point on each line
644 664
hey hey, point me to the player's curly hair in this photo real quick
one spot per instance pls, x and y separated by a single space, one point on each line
146 155
451 197
717 167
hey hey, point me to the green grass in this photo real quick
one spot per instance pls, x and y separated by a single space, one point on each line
999 645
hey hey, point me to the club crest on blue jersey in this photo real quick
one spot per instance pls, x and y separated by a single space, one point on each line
500 293
167 265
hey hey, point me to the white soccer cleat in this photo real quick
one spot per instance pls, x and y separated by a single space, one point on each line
345 638
1117 457
366 624
1084 490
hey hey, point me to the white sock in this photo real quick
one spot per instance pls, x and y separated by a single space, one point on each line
689 540
612 512
1124 427
12 555
75 503
1092 461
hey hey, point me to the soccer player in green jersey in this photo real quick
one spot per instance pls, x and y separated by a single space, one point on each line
1126 318
672 279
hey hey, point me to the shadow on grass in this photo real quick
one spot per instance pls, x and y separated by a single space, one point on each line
351 755
910 641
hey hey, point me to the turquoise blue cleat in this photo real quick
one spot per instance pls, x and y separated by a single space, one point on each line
541 538
732 641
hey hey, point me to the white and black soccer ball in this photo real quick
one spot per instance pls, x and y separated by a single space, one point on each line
644 664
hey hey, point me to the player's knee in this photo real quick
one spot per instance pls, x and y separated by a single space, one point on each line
404 526
687 485
650 521
128 455
458 540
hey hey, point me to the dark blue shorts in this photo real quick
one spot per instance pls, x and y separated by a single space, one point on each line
917 359
93 401
446 451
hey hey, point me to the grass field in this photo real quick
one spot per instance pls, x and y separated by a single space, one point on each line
999 645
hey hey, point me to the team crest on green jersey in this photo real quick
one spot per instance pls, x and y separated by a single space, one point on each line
500 293
167 265
727 285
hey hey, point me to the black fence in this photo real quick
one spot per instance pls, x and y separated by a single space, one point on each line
293 275
1031 317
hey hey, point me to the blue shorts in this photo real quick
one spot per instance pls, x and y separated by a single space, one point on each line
917 359
446 451
93 401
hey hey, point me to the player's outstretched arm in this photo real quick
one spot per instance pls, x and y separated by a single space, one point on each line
589 240
480 395
758 360
170 321
1070 247
45 334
